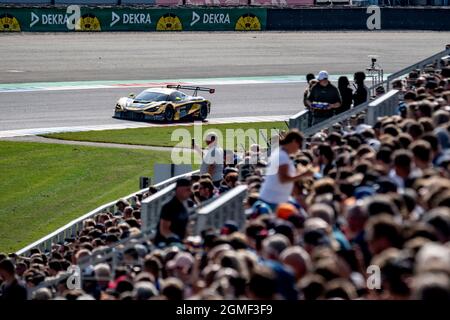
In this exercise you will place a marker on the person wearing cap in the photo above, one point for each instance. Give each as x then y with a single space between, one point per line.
323 94
212 161
174 216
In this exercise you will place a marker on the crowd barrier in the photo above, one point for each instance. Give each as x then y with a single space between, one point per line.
72 228
198 17
385 105
229 206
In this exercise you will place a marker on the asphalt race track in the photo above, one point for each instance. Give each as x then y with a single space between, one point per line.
46 57
27 110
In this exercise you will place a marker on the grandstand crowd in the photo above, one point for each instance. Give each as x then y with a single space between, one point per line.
354 212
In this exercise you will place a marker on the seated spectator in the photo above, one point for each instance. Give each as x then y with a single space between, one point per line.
205 190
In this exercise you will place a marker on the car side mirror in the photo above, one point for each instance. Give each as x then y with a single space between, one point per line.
131 95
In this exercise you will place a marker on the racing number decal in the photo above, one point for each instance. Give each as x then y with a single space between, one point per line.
248 22
169 22
9 23
89 22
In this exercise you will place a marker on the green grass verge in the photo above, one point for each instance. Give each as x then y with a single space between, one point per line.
45 186
168 137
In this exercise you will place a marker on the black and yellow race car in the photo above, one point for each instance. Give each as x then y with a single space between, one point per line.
164 104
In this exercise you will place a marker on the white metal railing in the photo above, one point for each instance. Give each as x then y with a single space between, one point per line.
213 214
385 105
434 59
72 228
151 206
229 206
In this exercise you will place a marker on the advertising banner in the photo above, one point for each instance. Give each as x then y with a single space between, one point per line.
75 18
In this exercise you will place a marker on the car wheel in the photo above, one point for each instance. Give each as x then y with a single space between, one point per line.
169 113
203 114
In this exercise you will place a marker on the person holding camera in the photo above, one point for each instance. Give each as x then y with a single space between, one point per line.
324 98
212 160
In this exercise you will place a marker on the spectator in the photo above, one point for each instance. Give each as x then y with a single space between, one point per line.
384 189
282 173
174 215
325 158
213 160
361 93
230 181
272 249
298 259
346 93
262 285
324 97
402 168
121 205
311 81
11 288
205 190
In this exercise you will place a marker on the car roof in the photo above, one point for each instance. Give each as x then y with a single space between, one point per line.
160 90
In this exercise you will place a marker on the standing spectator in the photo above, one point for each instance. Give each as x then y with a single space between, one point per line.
281 175
212 162
174 215
361 93
346 93
11 289
324 97
310 81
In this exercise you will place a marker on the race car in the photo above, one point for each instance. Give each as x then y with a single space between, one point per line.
164 104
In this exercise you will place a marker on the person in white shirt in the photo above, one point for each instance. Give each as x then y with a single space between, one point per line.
281 172
213 160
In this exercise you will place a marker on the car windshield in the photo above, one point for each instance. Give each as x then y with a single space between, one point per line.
151 96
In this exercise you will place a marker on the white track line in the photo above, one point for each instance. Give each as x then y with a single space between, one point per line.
130 125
